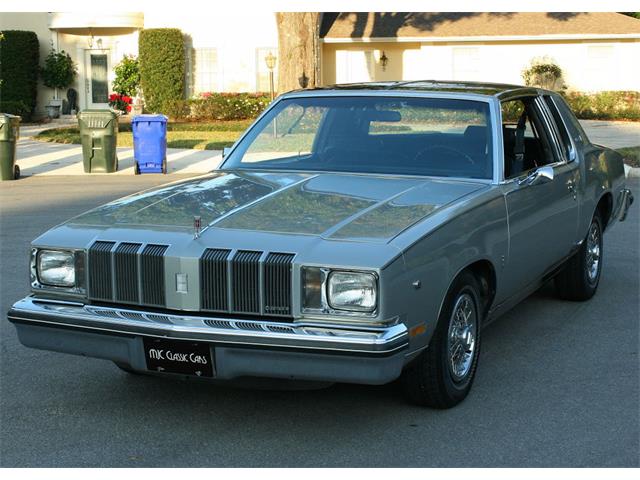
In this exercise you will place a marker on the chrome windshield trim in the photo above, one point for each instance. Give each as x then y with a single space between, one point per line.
256 333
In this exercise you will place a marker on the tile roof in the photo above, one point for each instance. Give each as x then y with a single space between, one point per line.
460 24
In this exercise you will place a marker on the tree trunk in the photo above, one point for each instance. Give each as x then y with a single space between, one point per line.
298 50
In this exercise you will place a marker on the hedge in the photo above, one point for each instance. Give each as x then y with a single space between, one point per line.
611 105
19 57
161 62
218 106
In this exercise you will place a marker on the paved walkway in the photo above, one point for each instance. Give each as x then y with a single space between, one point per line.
43 158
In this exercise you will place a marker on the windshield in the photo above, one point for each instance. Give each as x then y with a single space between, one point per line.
407 136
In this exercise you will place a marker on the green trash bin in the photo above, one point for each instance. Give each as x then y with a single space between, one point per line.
9 133
99 136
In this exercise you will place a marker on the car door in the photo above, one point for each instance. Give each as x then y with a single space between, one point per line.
541 202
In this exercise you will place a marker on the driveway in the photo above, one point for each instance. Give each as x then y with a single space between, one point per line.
557 385
612 134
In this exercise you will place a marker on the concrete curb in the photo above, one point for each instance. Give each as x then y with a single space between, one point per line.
631 172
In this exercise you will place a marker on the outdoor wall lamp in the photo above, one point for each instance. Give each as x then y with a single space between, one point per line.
270 60
303 80
383 61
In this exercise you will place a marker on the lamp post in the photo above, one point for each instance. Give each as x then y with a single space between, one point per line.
270 60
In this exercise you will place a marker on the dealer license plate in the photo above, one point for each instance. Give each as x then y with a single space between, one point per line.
175 356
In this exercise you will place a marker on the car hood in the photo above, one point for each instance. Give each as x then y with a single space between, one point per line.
335 206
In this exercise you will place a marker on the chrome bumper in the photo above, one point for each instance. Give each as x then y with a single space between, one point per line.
215 330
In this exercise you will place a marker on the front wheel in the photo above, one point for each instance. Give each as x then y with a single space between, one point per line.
579 278
442 375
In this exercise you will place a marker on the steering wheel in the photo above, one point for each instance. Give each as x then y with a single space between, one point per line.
447 150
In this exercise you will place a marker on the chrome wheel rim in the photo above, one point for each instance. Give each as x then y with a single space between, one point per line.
593 252
461 344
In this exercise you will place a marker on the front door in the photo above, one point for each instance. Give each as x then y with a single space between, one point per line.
97 78
542 216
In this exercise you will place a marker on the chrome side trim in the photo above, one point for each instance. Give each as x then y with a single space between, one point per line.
256 333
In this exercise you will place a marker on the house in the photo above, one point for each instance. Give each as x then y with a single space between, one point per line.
596 51
218 57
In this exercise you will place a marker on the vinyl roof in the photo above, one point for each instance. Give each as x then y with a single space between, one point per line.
479 88
355 25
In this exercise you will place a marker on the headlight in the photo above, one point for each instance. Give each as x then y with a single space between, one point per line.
56 268
354 291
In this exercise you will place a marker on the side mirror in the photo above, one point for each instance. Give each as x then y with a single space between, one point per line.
226 151
572 154
540 175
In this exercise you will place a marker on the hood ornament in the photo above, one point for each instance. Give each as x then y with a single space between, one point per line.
197 227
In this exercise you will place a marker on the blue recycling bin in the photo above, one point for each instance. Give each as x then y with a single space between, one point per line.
150 143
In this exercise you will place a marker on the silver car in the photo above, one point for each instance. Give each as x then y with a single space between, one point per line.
358 233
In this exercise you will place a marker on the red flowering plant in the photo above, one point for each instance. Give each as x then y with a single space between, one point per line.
120 102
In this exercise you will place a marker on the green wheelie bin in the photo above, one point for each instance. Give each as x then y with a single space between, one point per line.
9 133
99 136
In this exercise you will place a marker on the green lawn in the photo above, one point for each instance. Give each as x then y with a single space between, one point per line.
631 155
198 136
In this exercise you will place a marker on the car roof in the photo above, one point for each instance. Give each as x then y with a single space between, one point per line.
478 88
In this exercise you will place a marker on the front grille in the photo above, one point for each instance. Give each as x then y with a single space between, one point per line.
245 291
138 276
100 275
152 277
126 268
242 283
213 279
277 284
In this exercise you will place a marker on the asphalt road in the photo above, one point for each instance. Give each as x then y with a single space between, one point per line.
558 383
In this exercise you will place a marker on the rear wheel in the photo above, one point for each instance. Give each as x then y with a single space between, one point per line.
579 278
442 375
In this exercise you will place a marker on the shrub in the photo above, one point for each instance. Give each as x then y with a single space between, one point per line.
161 63
228 106
543 73
177 109
59 70
19 57
127 76
608 105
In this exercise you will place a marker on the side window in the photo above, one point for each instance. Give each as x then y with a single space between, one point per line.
564 139
573 125
526 146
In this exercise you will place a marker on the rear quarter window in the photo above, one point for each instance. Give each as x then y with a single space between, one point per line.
572 123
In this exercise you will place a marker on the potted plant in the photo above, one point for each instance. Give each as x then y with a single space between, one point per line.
59 72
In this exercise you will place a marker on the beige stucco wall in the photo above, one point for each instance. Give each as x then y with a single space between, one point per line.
235 36
588 65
